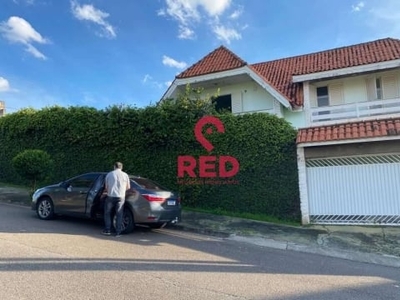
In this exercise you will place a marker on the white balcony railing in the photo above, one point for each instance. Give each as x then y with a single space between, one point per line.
360 110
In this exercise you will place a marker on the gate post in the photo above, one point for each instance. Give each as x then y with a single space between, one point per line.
304 206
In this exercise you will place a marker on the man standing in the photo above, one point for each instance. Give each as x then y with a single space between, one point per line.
116 183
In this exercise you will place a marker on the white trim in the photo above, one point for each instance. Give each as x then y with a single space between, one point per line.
297 109
349 141
277 108
347 71
353 120
306 102
239 71
303 188
170 90
278 96
270 111
211 76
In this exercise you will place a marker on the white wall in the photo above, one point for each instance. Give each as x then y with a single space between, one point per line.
354 88
297 119
253 98
249 95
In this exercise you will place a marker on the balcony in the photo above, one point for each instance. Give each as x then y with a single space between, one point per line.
355 111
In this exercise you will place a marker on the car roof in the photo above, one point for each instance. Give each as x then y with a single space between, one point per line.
103 173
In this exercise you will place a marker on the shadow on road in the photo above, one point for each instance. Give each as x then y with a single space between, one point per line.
240 258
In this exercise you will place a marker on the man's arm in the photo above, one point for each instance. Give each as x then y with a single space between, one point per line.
128 182
106 186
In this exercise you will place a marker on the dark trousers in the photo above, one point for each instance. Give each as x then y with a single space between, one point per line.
109 204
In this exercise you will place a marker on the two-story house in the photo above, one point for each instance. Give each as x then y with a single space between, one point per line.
345 103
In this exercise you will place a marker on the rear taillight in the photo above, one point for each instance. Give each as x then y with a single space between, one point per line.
153 198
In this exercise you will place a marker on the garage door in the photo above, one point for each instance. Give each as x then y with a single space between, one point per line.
354 190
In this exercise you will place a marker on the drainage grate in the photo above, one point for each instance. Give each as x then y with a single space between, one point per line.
356 219
353 160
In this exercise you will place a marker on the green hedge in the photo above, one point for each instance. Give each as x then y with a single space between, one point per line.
149 140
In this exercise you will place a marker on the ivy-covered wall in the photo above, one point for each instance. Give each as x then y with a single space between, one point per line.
149 140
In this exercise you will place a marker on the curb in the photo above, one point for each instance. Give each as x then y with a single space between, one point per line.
363 257
206 231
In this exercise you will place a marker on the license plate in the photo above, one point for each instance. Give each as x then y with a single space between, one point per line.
171 202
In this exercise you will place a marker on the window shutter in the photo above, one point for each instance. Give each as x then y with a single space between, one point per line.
371 89
236 104
390 86
336 94
313 95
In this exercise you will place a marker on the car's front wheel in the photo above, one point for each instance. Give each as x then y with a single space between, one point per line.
128 223
45 209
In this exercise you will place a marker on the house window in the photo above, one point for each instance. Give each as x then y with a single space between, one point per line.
223 103
323 100
383 87
322 96
378 86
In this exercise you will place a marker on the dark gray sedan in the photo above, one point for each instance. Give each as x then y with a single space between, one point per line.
147 203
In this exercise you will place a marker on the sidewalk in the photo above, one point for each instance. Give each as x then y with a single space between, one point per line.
379 245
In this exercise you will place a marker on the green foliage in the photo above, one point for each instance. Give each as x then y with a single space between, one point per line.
245 215
149 140
33 165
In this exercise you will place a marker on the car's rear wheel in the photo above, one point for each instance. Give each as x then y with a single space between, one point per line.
45 209
128 223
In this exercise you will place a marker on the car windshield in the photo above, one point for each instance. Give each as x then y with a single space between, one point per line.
148 184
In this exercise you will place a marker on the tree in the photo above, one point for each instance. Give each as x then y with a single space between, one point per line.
33 165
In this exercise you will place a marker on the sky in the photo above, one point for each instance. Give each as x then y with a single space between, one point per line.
100 53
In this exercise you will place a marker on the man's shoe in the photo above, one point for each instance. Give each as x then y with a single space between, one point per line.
106 232
117 235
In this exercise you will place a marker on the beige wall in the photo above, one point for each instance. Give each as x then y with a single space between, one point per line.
354 89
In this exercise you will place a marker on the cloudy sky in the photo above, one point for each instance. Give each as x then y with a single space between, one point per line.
101 52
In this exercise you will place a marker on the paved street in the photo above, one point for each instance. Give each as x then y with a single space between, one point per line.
69 259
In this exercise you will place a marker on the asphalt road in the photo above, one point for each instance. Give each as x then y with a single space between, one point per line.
69 259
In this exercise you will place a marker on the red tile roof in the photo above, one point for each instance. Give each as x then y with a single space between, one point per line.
355 130
278 73
221 59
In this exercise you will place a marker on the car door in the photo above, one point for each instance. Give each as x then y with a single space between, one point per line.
93 194
73 200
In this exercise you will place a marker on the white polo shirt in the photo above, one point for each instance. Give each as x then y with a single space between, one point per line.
117 182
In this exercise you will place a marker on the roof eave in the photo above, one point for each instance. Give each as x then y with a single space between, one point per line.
278 96
347 71
171 89
348 141
199 78
241 70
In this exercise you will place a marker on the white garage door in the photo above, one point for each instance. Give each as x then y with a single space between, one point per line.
354 190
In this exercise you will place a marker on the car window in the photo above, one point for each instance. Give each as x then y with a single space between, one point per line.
148 184
84 181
